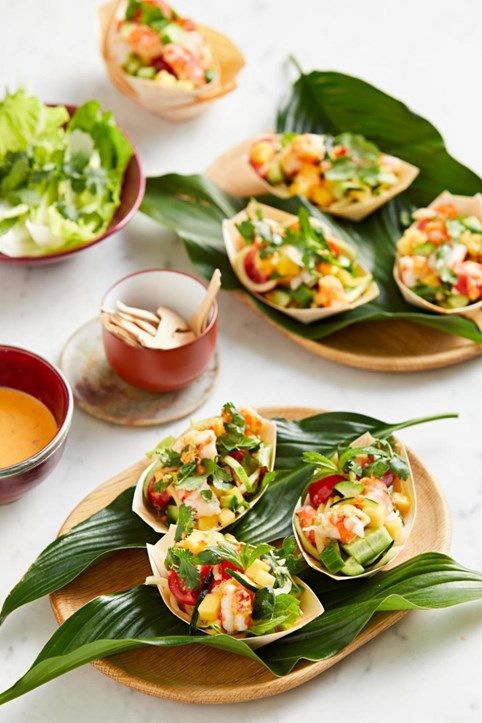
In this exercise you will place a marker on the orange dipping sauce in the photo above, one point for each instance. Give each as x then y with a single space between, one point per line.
26 426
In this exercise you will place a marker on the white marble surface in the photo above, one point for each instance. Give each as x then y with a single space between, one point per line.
427 667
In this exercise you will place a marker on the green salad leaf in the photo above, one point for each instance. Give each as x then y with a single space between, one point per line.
124 621
60 178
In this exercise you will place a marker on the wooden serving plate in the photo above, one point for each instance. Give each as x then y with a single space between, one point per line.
384 346
195 674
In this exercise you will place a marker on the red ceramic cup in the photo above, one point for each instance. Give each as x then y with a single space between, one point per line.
132 193
28 372
160 370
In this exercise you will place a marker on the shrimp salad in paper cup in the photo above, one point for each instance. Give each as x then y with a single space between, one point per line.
357 512
216 471
295 264
346 174
220 585
439 257
156 43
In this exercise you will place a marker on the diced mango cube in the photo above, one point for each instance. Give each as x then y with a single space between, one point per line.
401 502
195 542
321 196
209 608
263 578
256 567
396 530
262 152
207 523
226 517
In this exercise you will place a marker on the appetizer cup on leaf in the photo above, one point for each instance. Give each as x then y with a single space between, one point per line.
438 266
294 264
346 175
216 470
163 61
219 585
356 514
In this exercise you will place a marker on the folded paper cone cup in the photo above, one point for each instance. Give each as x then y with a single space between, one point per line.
466 206
139 506
235 248
309 551
169 103
233 172
311 607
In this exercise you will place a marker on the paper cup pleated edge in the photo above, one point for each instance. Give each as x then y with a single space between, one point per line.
139 506
310 605
235 248
393 553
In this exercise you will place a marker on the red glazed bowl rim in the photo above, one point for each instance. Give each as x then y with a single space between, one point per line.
43 454
177 349
112 227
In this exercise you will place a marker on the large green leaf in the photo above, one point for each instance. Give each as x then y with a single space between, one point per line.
116 527
334 102
194 207
123 621
113 528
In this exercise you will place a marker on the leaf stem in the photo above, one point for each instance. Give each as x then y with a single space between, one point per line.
294 61
420 420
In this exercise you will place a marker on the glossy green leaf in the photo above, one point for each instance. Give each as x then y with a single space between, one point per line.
116 527
123 621
113 528
194 207
330 102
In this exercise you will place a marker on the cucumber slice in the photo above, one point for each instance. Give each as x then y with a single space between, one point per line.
172 512
349 489
331 557
352 567
279 297
274 174
146 72
367 549
343 499
456 301
245 582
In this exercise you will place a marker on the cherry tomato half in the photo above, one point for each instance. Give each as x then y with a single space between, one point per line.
321 490
183 594
158 499
252 270
226 565
238 454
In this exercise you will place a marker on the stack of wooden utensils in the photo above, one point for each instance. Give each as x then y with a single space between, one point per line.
164 329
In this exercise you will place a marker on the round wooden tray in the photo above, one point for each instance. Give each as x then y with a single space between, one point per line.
201 675
386 346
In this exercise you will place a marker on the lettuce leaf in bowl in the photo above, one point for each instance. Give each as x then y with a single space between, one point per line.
60 179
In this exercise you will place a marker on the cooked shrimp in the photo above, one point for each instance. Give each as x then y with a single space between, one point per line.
143 41
184 64
236 606
195 445
330 291
345 523
376 490
201 506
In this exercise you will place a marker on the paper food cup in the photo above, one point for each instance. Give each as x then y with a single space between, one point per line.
236 250
139 506
311 607
466 206
170 103
307 548
233 172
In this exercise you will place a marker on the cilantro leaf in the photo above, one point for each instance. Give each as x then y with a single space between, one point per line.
181 560
185 522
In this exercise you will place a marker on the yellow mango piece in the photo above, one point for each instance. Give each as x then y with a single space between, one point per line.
263 578
226 517
287 267
396 530
207 523
262 153
256 567
401 502
209 608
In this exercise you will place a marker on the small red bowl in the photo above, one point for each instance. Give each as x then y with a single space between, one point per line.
132 193
28 372
160 370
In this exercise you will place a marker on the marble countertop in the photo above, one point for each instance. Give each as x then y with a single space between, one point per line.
428 666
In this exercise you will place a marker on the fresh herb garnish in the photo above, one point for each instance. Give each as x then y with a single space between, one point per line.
181 560
185 522
202 594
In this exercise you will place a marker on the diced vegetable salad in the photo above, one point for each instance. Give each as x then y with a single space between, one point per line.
308 267
440 256
213 471
164 47
342 170
353 514
226 586
60 178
